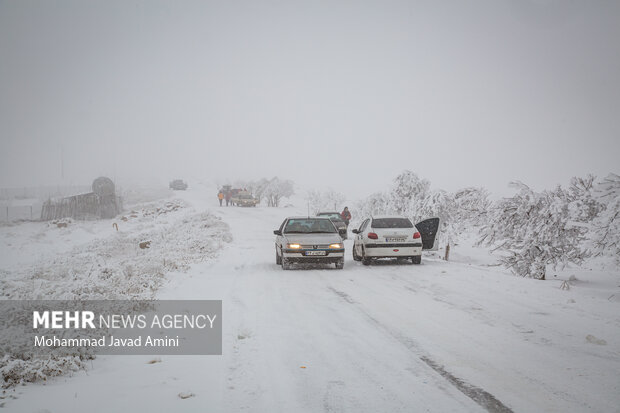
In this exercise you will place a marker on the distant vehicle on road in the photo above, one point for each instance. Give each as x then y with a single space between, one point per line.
394 237
178 185
337 220
244 198
307 240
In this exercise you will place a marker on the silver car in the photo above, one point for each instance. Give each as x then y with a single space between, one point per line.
308 240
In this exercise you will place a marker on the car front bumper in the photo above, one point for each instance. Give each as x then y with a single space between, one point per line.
296 255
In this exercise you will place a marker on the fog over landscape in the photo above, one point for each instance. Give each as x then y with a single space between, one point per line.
480 93
378 206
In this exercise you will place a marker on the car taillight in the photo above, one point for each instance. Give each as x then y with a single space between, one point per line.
416 235
372 235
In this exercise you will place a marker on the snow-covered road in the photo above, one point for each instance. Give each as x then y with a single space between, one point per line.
437 337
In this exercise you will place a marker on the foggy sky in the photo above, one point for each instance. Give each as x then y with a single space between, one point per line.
344 94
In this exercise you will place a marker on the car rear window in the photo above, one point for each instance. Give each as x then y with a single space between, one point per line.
391 223
308 226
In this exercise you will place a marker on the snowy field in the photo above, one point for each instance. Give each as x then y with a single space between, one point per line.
458 336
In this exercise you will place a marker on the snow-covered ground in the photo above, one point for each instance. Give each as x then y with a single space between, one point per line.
442 336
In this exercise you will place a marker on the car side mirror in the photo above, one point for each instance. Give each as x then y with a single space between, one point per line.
355 231
342 231
277 232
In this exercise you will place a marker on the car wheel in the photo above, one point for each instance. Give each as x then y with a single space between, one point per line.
365 260
286 265
340 264
278 258
416 259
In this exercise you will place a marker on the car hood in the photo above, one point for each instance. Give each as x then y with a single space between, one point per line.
312 238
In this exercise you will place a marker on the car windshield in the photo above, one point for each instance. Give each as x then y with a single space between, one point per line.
334 216
309 226
391 223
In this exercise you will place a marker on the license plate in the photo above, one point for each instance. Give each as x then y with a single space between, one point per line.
315 252
394 239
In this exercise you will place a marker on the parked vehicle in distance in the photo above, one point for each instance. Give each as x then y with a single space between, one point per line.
244 198
308 240
178 185
337 220
394 237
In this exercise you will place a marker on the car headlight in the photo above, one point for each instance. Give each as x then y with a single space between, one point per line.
294 246
335 246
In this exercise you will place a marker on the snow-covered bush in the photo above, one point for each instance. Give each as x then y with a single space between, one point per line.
409 194
112 267
606 226
536 229
276 189
471 206
328 200
413 197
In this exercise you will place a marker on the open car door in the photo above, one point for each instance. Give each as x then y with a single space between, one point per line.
429 229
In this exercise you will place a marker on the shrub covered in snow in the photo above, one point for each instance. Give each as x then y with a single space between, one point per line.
413 197
328 200
113 267
535 229
606 225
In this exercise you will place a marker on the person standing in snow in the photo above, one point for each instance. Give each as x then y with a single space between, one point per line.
220 196
346 216
228 197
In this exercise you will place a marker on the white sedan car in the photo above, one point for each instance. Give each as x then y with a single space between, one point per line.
308 240
394 237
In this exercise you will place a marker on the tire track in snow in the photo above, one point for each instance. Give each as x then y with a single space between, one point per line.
483 398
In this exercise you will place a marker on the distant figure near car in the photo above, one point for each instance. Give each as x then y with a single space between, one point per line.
220 196
346 216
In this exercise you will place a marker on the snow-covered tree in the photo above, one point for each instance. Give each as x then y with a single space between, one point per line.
408 194
259 188
471 205
533 230
606 225
277 189
375 204
328 200
413 197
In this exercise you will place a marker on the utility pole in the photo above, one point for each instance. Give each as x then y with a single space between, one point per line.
62 163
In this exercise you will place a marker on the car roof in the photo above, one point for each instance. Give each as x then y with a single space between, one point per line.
307 217
388 216
328 212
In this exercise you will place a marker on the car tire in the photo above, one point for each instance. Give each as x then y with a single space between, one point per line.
355 256
340 264
365 260
286 265
416 259
278 258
